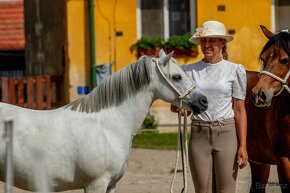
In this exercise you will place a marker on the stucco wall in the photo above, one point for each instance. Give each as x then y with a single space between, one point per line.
110 19
245 17
77 71
116 31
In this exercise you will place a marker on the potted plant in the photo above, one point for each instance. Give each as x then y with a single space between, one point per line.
148 46
151 46
181 46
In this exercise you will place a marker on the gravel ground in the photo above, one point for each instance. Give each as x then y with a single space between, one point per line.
150 171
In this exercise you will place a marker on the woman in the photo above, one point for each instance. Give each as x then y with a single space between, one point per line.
217 144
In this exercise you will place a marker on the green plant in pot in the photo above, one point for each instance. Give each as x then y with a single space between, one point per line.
181 45
148 46
151 46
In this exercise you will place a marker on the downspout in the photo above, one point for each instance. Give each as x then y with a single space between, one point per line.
92 44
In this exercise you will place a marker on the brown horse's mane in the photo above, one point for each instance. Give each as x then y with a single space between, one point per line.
282 40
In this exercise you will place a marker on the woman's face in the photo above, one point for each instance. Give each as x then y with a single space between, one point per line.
211 47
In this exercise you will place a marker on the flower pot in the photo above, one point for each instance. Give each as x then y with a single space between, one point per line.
183 52
142 52
192 53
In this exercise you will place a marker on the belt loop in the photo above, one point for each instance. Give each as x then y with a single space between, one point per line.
221 124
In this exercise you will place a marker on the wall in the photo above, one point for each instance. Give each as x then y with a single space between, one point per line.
245 17
77 59
115 32
111 18
45 35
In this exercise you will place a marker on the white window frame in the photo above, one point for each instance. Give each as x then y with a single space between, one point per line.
273 15
192 10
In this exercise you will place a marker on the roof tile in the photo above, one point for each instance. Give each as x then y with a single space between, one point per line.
12 25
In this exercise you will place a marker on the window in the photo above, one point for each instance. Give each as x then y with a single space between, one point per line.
165 18
282 13
152 18
12 63
179 18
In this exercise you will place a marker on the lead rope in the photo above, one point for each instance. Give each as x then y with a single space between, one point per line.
184 156
180 142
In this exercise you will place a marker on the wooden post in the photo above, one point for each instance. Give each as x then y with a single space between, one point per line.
48 93
20 92
12 93
30 93
39 92
4 87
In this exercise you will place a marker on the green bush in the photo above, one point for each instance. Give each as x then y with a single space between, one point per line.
147 43
149 122
180 42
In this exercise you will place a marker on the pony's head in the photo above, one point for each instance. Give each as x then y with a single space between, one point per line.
275 70
173 85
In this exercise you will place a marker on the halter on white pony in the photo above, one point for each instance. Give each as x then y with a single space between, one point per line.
181 94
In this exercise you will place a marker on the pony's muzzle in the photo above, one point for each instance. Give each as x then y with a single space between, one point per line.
203 102
200 105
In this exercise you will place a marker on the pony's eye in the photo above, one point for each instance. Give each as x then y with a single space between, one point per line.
284 61
176 77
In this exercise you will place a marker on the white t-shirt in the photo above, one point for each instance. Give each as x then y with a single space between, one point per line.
219 82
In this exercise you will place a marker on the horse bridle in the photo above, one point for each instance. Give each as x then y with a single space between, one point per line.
181 95
283 81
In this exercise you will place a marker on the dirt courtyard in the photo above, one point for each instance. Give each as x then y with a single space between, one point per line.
150 171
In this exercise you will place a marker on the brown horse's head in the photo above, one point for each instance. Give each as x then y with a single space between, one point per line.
275 71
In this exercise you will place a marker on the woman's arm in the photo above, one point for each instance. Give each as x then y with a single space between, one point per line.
241 126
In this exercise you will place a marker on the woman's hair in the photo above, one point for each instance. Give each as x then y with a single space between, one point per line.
224 52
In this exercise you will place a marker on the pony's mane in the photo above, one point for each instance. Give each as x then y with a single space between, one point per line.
116 88
282 40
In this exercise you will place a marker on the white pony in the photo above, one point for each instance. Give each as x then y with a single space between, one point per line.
86 144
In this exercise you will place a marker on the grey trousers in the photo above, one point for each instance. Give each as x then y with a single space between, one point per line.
212 156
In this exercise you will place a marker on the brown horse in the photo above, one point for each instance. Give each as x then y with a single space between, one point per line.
268 139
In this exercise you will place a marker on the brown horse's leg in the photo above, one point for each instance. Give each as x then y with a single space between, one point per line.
260 174
283 167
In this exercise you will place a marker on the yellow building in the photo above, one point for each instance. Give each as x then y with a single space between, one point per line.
120 23
115 32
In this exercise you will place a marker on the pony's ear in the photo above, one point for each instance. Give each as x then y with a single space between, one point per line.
267 32
164 59
161 53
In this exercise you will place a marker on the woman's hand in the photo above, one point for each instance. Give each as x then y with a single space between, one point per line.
175 109
242 157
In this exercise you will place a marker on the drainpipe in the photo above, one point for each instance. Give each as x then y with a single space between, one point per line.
92 44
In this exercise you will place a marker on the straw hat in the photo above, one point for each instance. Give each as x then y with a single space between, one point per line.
210 29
